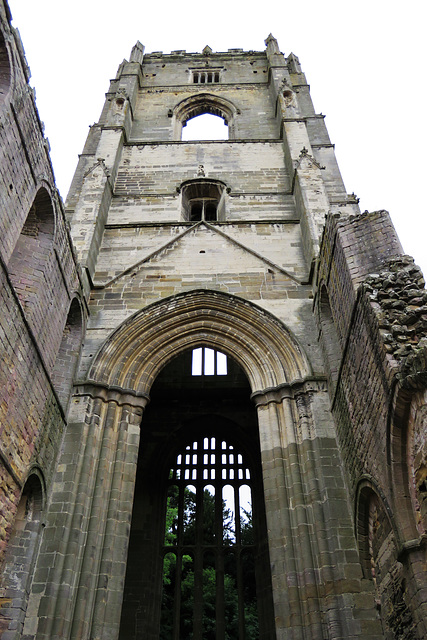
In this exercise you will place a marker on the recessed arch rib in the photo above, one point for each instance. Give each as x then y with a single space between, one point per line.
265 349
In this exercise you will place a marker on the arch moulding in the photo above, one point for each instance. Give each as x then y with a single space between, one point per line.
134 354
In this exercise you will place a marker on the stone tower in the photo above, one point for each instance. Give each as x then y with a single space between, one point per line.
224 436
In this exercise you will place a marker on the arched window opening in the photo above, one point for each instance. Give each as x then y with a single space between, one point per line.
207 113
28 261
68 355
20 556
203 199
4 69
205 127
198 544
209 532
374 532
379 557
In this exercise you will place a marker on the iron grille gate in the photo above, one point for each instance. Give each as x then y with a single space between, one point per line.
209 555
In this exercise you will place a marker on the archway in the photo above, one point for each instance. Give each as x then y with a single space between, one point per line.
378 549
29 261
260 344
110 405
198 477
17 572
119 448
68 355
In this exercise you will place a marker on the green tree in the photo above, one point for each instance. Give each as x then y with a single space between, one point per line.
209 571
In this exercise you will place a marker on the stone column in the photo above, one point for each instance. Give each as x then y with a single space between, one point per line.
89 518
316 574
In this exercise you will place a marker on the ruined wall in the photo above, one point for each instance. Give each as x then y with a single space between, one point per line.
374 302
39 280
157 283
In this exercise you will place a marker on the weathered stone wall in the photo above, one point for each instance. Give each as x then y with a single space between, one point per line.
38 281
127 246
375 299
172 263
244 82
254 173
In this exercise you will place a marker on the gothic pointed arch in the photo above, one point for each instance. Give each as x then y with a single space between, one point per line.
68 354
128 368
18 568
263 347
374 527
202 103
30 265
379 544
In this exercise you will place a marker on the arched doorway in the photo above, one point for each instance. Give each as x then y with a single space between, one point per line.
198 544
123 453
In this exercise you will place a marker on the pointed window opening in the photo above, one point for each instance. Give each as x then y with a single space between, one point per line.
18 568
205 127
29 261
209 117
68 355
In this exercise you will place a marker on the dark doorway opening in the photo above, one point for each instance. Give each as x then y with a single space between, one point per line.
198 563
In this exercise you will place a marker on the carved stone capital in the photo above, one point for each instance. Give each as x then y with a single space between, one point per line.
289 390
112 393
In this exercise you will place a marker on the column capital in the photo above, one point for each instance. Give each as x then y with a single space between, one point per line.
289 390
111 393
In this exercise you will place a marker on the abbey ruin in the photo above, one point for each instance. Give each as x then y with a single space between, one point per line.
213 380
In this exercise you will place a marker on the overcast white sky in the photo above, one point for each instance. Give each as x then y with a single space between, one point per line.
365 62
